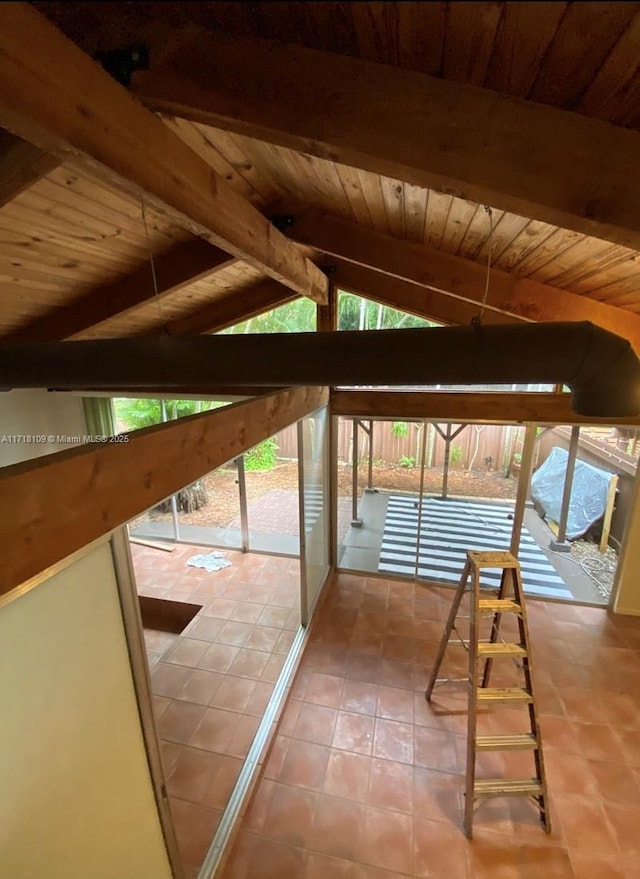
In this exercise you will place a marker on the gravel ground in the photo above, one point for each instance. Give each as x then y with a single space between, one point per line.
601 567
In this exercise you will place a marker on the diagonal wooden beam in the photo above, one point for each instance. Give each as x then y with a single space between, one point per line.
55 96
21 165
55 505
412 298
226 312
534 160
184 264
455 276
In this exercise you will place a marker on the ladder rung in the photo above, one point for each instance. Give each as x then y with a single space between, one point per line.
503 694
498 605
516 742
495 559
495 649
508 787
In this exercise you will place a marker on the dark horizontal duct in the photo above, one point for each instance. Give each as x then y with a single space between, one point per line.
601 368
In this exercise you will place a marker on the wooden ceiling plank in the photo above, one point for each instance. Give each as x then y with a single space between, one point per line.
438 207
527 242
113 250
420 35
478 233
17 238
181 266
54 95
53 506
576 260
393 198
572 61
613 92
457 277
353 191
524 35
21 165
240 306
460 215
541 261
452 137
481 408
469 39
505 228
415 212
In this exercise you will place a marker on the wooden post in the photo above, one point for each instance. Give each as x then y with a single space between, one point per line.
524 479
448 438
242 495
608 512
356 522
327 315
423 455
561 544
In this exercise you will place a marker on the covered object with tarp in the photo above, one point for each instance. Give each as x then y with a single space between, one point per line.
588 492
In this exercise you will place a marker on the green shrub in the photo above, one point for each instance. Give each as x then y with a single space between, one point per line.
400 428
455 454
262 456
407 461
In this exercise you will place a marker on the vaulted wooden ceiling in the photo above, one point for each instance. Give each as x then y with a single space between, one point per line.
401 227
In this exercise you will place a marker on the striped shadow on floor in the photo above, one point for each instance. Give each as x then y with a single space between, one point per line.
448 529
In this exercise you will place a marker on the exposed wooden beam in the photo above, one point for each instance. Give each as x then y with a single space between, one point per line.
55 96
233 309
531 159
52 506
21 165
482 408
412 298
459 277
327 315
184 264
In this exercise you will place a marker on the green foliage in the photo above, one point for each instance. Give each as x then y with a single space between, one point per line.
400 428
135 413
262 456
298 316
455 454
407 461
354 310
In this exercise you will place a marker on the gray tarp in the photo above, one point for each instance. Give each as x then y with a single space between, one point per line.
588 493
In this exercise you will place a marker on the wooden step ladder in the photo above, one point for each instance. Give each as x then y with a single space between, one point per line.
509 600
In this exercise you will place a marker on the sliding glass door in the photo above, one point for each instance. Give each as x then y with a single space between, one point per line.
313 445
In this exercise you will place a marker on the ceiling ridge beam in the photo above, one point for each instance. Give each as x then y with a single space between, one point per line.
55 96
530 159
182 265
428 269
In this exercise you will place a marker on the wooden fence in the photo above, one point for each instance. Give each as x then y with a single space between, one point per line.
489 447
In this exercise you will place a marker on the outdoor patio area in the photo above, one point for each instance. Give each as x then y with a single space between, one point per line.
385 542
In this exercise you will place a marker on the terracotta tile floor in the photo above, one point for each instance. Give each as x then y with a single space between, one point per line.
212 682
365 779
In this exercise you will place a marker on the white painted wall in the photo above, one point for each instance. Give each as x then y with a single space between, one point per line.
37 413
75 795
